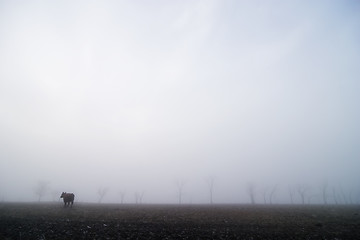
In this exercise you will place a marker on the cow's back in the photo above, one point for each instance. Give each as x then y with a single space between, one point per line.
69 197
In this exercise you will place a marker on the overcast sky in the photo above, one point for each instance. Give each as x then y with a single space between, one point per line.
138 95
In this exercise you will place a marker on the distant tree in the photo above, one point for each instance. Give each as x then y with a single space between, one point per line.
41 189
251 192
180 187
343 195
210 182
340 196
335 196
139 197
357 197
136 195
292 194
351 197
272 193
302 189
102 192
324 189
264 194
268 194
122 196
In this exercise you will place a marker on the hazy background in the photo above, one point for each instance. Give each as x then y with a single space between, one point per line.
139 96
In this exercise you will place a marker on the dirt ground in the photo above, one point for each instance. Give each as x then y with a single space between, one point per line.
112 221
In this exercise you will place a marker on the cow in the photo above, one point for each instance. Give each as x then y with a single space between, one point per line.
68 198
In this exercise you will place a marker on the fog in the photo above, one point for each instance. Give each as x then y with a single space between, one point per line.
164 99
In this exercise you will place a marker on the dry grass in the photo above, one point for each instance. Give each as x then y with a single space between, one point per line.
112 221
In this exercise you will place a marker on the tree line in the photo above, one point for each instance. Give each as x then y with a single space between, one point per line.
257 194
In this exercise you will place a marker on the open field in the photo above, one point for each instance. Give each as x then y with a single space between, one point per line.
115 221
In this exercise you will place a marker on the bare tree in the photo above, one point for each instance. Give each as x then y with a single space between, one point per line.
272 193
263 193
335 196
102 192
139 197
292 193
343 195
122 196
210 182
351 197
180 186
251 192
136 194
302 189
340 197
324 189
41 189
357 197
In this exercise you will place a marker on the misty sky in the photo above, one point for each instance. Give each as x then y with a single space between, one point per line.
138 95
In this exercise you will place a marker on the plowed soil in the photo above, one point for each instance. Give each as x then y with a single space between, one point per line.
112 221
